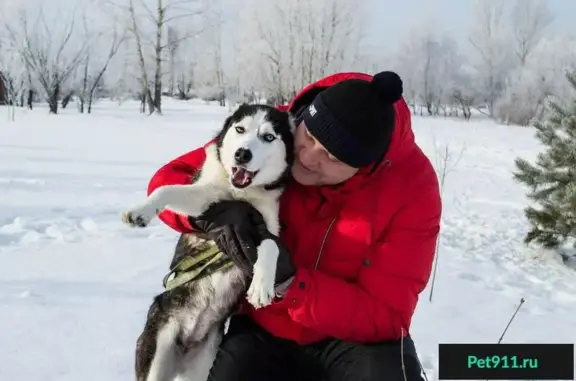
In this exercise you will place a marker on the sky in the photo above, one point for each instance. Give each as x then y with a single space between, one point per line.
391 19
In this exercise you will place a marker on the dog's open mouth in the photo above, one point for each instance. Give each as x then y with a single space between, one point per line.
241 177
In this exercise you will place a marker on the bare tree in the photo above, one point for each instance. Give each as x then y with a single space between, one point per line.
464 101
529 19
105 45
431 87
430 66
85 78
274 55
12 82
12 79
146 94
51 56
245 71
445 163
7 96
340 34
157 17
450 68
541 77
4 83
300 41
217 50
173 46
406 62
185 75
489 39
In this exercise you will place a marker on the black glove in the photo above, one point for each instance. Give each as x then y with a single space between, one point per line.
231 225
285 267
238 228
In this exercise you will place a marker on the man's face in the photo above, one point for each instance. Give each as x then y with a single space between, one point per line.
314 165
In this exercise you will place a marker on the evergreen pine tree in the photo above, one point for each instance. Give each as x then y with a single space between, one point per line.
552 179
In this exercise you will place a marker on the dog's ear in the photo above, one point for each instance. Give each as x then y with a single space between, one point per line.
227 122
239 106
225 127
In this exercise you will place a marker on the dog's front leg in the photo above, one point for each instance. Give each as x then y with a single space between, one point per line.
189 200
261 291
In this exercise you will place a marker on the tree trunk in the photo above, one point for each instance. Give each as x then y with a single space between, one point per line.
90 103
30 99
157 100
66 99
84 84
53 100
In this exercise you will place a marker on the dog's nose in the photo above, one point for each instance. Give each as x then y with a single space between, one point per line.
243 156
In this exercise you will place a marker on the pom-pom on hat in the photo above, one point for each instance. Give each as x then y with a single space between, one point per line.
354 119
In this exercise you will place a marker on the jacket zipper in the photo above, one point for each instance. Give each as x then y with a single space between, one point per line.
387 163
323 243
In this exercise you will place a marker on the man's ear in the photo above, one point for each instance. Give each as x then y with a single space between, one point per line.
294 122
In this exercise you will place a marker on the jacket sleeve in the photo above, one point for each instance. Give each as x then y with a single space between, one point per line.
380 305
181 170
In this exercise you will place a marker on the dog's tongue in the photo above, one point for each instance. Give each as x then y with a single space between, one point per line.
241 176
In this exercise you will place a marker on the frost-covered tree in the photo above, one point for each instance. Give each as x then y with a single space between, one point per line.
529 19
12 77
489 39
49 47
150 21
289 44
431 67
552 178
541 76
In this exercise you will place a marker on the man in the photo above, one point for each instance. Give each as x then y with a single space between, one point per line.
360 224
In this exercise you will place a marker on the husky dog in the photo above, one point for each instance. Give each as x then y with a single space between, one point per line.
249 160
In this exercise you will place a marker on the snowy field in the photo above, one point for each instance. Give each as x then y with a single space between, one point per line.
75 283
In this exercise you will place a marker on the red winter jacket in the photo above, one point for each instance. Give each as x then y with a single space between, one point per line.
364 250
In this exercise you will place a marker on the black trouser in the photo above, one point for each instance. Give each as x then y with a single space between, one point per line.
250 353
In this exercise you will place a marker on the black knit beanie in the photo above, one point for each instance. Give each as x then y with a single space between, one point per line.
354 119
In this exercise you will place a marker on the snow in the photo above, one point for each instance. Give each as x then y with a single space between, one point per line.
75 284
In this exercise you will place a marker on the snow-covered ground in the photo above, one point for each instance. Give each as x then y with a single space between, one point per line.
75 283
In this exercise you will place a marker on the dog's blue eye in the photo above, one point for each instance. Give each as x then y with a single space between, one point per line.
240 129
268 137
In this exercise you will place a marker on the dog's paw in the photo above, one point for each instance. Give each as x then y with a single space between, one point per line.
138 217
261 291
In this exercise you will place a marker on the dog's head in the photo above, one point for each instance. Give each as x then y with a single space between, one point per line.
256 146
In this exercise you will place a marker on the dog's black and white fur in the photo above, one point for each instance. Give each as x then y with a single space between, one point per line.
250 160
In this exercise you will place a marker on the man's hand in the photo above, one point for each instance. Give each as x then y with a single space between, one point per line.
232 225
237 228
